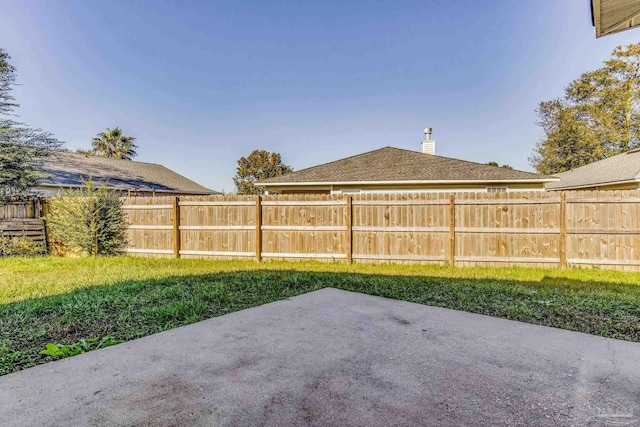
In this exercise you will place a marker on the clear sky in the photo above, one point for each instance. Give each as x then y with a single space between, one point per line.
202 83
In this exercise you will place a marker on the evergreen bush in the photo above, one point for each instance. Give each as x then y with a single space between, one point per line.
87 221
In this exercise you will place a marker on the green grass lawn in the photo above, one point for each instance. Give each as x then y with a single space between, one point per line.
61 300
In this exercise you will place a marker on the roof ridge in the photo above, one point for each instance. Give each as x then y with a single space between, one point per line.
108 159
401 164
344 158
475 163
419 152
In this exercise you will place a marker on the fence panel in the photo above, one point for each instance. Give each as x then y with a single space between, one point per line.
22 236
150 230
542 229
217 227
18 210
400 227
498 229
603 228
304 226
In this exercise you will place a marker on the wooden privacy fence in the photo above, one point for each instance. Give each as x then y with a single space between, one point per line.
19 210
20 223
29 230
597 228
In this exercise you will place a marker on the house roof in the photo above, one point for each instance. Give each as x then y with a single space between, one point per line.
68 169
612 16
389 164
621 168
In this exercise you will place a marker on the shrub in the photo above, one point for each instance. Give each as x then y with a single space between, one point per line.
88 221
20 246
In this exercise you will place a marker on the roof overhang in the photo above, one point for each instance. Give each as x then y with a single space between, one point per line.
596 184
412 182
613 16
148 190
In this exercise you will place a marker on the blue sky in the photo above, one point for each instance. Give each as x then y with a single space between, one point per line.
202 83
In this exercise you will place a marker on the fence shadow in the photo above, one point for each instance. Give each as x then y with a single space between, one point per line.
136 308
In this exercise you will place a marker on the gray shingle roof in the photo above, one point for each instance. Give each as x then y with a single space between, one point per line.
68 169
621 168
390 164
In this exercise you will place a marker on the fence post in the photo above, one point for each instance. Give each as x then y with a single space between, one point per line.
452 229
258 228
562 244
349 222
176 226
36 208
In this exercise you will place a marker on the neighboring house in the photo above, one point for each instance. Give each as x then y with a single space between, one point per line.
620 172
68 170
395 170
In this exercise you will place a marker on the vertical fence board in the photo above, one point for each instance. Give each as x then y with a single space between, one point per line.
176 227
452 230
563 230
258 225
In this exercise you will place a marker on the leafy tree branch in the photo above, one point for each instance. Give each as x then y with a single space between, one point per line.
259 165
22 149
598 116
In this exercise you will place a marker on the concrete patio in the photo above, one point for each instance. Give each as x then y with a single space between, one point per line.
337 358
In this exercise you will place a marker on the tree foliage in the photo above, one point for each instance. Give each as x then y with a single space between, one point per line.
498 166
87 221
22 149
113 143
259 165
598 117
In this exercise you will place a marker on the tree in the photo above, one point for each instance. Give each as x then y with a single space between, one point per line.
259 165
598 116
497 165
87 221
112 143
22 149
569 143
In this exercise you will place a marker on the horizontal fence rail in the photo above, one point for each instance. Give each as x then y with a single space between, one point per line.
21 229
549 229
27 231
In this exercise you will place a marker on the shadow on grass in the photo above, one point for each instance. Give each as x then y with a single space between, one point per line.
136 308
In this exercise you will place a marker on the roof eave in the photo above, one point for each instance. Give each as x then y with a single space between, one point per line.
595 184
63 186
450 181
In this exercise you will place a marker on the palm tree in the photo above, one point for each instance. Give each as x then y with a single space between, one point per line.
112 143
